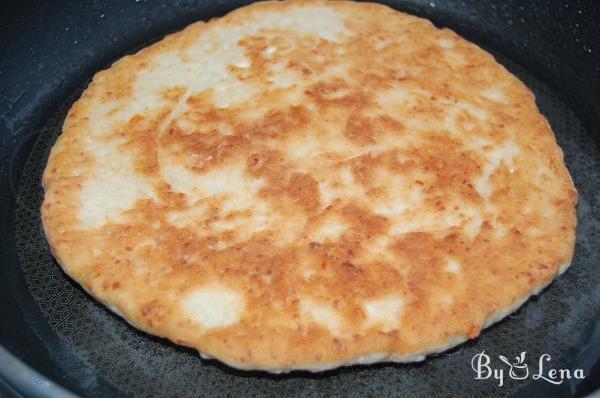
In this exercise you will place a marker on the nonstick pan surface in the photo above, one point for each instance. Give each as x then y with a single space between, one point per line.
49 53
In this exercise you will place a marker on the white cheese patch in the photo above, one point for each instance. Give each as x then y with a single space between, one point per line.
446 299
494 94
321 314
233 92
323 148
398 195
329 229
505 154
163 72
472 227
377 250
97 209
330 191
308 20
270 50
214 306
188 217
453 266
445 43
424 222
390 209
244 64
384 312
282 76
473 110
114 188
343 187
455 59
306 267
229 180
346 176
399 97
380 243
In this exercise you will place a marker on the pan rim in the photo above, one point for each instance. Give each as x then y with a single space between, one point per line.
26 380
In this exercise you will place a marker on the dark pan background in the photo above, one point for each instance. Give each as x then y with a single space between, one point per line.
48 52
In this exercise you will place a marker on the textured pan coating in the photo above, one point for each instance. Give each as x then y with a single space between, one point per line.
303 185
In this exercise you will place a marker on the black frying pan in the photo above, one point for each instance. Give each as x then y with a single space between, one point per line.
50 327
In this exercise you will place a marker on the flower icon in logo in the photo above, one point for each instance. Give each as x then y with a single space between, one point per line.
518 370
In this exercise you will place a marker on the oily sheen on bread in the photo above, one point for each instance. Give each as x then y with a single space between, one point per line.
307 184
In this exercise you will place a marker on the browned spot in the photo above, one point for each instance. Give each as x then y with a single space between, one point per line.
363 221
363 168
304 190
359 129
391 124
202 151
172 94
338 93
268 163
276 123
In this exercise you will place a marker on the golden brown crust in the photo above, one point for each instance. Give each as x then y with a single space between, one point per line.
398 163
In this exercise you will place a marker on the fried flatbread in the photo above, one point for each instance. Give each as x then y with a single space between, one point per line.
305 185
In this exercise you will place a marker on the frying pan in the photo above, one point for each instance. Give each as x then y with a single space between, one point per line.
56 341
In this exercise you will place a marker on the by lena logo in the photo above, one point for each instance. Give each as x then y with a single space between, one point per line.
519 369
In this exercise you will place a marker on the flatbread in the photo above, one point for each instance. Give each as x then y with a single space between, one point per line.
305 185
